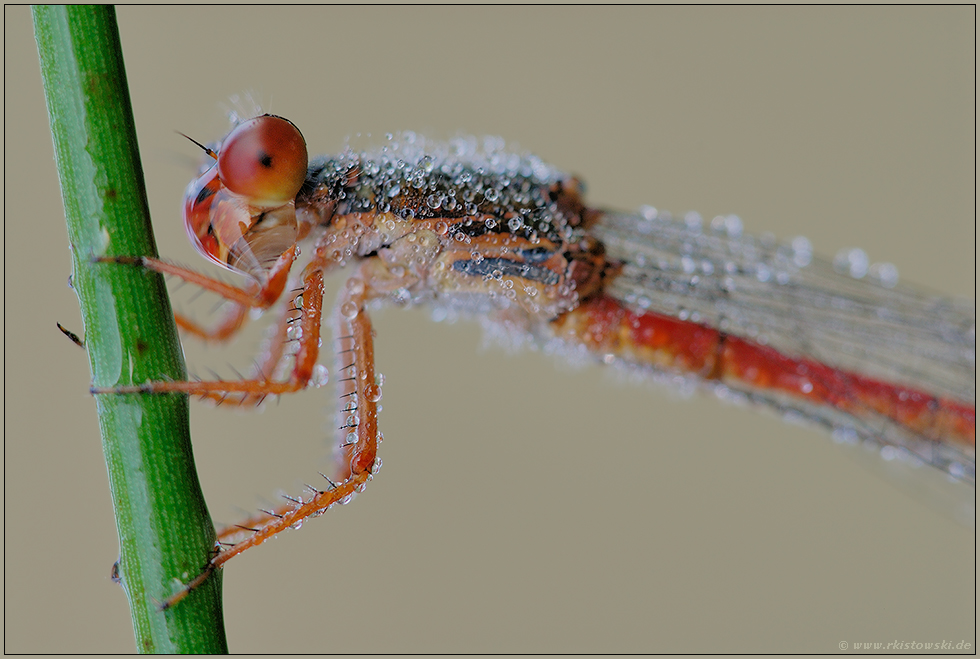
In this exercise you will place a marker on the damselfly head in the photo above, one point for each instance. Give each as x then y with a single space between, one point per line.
240 213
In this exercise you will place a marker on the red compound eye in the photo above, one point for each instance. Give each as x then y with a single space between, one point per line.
264 160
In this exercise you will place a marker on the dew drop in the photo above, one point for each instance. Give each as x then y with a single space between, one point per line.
372 392
320 376
842 435
692 220
802 251
885 273
355 286
348 310
889 453
852 261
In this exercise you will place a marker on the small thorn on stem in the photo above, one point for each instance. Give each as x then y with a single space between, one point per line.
71 335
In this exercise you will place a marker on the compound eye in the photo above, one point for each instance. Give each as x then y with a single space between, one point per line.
264 160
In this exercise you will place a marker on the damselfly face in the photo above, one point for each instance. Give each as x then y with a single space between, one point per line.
240 213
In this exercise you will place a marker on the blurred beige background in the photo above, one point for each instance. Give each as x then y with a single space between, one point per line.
522 506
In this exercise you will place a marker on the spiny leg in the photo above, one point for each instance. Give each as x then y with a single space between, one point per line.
272 359
260 386
359 394
273 354
260 297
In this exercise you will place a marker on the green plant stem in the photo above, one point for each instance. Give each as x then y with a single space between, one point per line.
165 532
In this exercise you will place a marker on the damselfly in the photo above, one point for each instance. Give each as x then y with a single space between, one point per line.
470 227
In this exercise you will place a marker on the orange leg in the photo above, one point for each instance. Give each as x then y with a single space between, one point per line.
359 394
242 299
309 323
274 347
228 326
286 330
